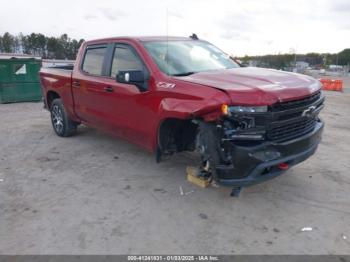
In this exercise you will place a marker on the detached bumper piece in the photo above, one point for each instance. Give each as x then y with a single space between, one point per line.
290 132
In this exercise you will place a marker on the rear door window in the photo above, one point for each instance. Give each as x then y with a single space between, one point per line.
93 60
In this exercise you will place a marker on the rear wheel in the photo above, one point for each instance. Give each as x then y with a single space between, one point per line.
61 123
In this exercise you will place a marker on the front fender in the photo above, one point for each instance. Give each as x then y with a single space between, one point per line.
209 109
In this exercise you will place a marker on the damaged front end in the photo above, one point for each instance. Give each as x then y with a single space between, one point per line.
253 144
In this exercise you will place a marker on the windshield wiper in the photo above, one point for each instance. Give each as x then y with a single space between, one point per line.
184 74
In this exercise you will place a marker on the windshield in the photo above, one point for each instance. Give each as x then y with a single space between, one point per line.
181 58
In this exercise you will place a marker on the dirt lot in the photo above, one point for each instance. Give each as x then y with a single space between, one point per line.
94 194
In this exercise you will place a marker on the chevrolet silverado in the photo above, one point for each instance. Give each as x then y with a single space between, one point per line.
171 94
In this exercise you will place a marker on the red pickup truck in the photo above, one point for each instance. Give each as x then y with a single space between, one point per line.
171 94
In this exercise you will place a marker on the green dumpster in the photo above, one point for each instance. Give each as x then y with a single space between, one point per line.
19 79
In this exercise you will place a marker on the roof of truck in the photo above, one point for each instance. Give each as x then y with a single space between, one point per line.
162 38
142 38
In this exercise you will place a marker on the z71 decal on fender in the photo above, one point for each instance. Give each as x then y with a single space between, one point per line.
165 85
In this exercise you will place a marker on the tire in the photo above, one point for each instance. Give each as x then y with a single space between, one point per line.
61 123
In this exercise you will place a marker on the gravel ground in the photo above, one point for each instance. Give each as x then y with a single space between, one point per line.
94 194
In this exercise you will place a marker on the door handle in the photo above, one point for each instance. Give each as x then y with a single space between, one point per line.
109 89
76 83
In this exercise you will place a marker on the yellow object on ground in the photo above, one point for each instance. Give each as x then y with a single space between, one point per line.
192 176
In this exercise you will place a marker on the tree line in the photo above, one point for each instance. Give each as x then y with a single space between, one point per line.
282 61
62 47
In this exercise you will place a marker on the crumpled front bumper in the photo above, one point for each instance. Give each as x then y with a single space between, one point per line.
255 164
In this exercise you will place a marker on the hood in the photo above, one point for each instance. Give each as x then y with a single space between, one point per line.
257 86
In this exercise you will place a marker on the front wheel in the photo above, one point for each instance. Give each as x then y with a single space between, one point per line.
61 123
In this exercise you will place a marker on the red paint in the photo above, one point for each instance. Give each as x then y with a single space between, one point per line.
283 166
136 115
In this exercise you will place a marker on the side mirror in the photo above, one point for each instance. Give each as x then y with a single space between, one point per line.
130 77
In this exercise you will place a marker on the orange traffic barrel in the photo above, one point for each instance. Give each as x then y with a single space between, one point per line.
332 84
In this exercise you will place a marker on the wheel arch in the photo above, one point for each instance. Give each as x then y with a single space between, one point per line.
176 134
50 96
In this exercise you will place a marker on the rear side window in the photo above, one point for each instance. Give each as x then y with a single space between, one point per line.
93 60
125 59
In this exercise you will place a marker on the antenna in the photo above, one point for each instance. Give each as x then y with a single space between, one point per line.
167 42
194 36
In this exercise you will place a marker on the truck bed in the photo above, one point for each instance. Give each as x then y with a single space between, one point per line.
59 80
60 71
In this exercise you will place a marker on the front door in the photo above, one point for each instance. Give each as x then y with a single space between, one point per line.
126 107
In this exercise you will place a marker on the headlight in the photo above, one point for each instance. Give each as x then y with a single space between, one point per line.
241 122
247 109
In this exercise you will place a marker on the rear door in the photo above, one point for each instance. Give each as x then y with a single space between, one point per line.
88 86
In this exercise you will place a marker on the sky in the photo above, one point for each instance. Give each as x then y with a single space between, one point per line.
245 27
